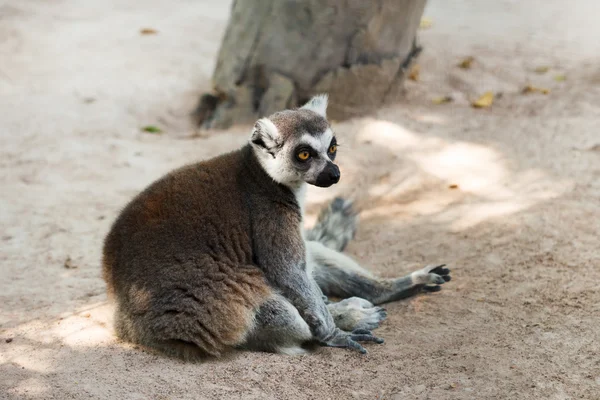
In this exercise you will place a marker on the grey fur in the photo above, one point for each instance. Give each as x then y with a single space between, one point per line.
292 122
279 328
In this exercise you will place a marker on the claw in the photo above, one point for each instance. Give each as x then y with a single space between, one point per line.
366 338
438 269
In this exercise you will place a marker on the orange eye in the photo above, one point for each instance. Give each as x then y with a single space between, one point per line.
332 148
303 155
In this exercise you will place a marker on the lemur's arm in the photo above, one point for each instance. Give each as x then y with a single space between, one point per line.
281 254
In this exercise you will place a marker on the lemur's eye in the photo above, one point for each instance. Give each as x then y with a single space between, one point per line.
332 148
303 155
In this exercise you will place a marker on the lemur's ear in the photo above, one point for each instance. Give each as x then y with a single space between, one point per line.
317 104
265 135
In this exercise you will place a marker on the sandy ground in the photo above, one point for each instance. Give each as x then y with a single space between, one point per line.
521 319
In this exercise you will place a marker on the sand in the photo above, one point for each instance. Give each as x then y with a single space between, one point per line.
508 196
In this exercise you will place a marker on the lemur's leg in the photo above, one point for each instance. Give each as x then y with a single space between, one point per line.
340 276
278 328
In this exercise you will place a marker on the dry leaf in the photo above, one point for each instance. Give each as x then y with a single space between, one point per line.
385 178
453 186
442 100
466 63
426 23
484 101
148 31
413 75
542 69
560 78
69 263
534 89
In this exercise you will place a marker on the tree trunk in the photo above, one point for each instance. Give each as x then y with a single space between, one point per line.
276 54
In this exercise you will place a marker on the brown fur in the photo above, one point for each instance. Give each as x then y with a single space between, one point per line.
179 260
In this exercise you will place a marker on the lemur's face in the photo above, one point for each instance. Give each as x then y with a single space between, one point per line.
296 146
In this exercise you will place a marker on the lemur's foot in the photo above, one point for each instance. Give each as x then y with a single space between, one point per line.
336 225
356 313
432 276
351 340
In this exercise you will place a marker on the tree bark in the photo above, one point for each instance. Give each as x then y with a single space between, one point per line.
276 54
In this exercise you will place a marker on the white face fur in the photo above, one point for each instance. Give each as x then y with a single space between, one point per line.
297 146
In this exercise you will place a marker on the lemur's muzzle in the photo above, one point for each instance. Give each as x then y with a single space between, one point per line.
329 176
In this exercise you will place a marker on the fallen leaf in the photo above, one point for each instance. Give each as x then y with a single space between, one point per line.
152 129
426 23
442 100
466 63
385 178
484 101
69 263
534 89
453 386
453 186
148 31
595 147
542 69
413 75
560 78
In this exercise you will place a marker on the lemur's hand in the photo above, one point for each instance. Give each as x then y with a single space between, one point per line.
350 339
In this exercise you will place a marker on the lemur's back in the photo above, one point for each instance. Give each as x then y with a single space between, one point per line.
183 248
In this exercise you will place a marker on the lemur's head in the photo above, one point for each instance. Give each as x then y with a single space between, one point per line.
296 146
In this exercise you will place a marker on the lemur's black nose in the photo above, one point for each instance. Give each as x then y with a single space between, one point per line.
329 176
334 174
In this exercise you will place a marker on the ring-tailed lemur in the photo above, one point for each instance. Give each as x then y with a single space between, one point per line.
213 256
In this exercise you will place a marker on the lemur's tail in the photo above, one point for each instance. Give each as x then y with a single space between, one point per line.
336 225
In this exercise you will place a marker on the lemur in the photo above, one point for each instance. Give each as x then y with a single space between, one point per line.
213 257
